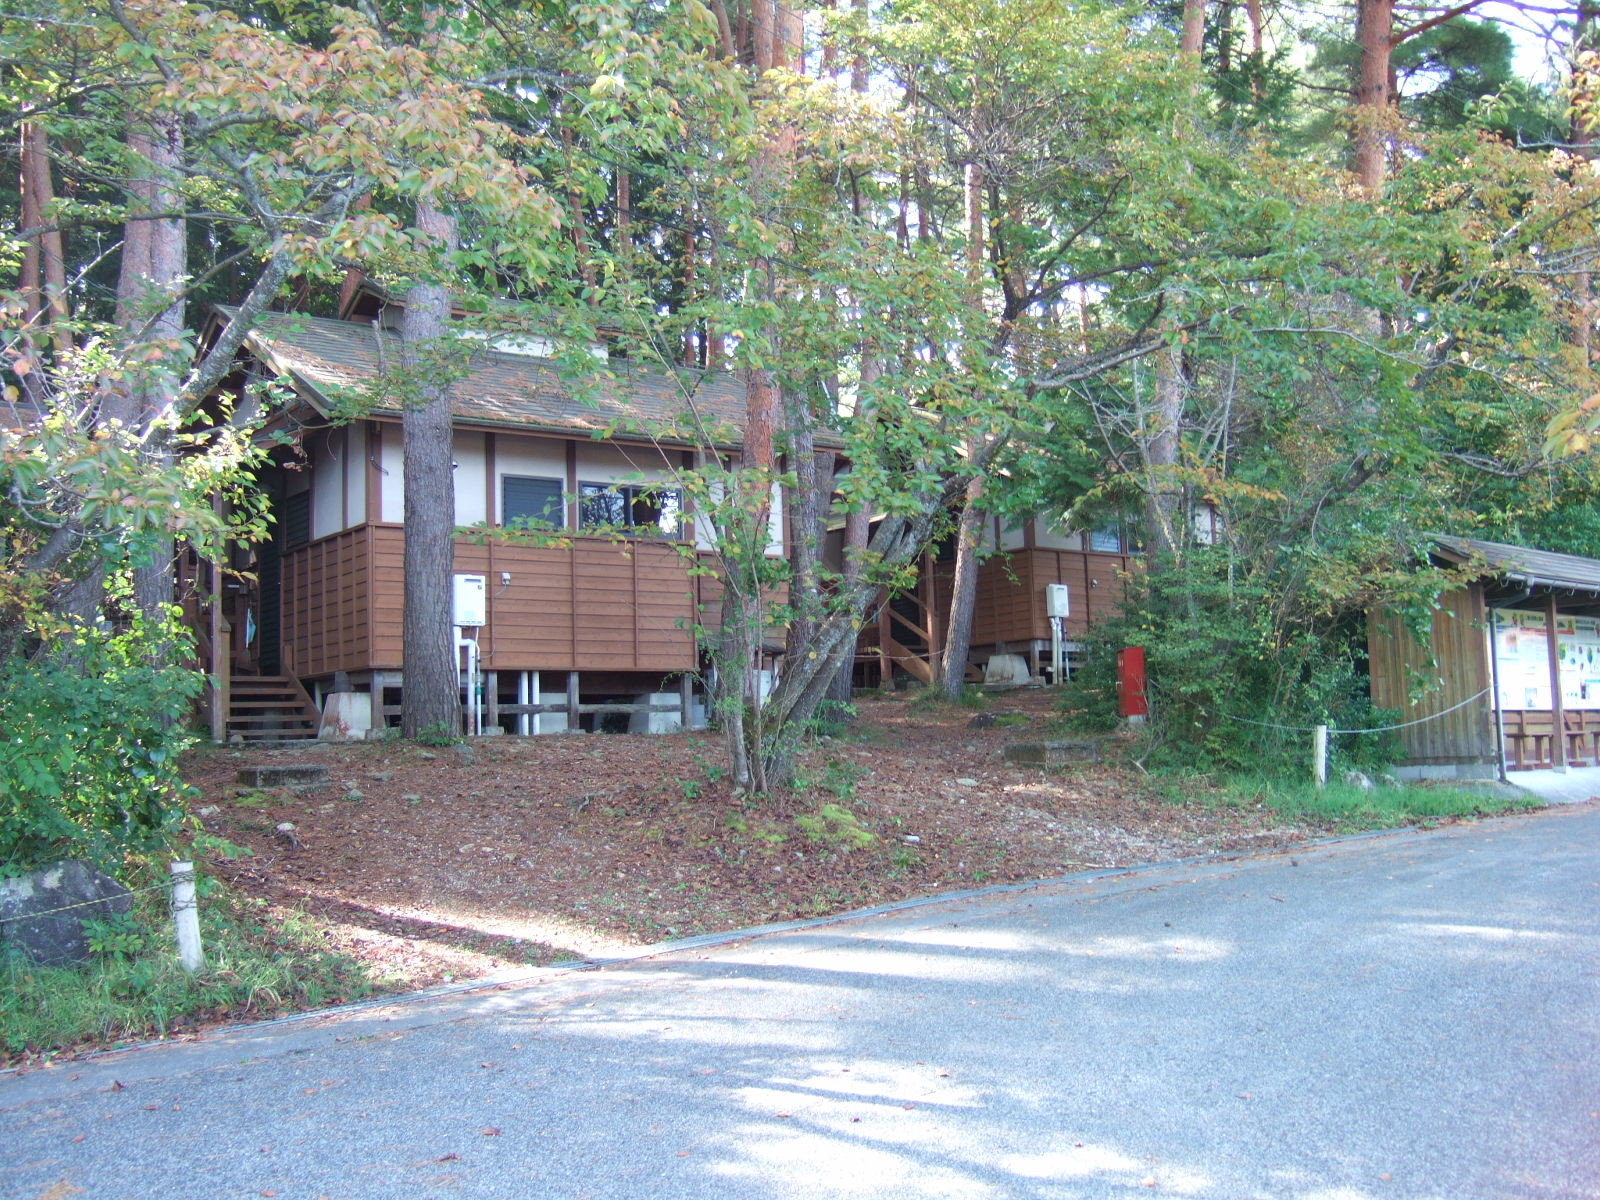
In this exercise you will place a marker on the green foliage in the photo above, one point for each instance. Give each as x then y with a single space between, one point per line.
118 936
835 825
833 718
1346 807
1235 675
90 733
436 736
257 965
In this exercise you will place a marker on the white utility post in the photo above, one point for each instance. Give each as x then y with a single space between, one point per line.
1319 755
186 916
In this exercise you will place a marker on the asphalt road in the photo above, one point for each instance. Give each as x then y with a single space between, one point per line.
1407 1017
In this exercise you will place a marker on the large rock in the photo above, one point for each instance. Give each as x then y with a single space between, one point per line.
42 913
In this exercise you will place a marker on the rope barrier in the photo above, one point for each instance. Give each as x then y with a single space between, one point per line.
1378 729
158 887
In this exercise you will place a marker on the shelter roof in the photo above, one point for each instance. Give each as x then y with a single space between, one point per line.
1533 569
332 362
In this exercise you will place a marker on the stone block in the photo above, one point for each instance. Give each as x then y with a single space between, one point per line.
346 717
1006 669
290 775
1053 754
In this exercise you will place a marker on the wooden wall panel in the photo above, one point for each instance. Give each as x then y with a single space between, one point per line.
327 605
1459 668
1010 603
595 605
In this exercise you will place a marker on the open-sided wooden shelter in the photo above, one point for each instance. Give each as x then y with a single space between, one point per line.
1513 678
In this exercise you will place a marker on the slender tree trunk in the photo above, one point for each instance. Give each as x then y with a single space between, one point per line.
1162 433
431 696
808 510
1163 493
857 531
964 587
858 65
46 283
776 38
963 592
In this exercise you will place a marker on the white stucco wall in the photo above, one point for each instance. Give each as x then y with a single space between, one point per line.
1051 535
602 463
328 457
472 477
1012 537
392 486
355 474
539 458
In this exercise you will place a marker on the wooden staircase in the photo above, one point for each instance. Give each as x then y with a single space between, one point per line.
270 708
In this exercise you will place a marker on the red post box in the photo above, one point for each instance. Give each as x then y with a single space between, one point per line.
1130 682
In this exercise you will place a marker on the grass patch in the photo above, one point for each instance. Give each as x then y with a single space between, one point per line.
1344 807
258 965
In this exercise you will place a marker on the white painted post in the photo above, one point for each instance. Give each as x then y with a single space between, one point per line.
186 916
1319 755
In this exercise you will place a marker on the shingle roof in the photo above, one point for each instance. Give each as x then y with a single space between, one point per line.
326 358
1534 568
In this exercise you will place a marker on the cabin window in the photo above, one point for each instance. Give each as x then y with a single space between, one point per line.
1107 539
644 510
526 500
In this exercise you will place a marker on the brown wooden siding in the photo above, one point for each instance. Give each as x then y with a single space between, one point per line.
595 605
1010 603
1461 670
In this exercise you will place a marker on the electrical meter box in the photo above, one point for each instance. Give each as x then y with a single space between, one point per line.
470 601
1055 600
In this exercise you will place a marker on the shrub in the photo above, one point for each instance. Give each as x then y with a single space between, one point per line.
1233 683
90 733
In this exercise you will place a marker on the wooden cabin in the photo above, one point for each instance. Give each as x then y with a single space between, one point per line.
1498 692
907 636
596 630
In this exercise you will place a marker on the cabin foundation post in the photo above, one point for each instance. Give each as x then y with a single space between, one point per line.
686 700
375 694
572 701
491 701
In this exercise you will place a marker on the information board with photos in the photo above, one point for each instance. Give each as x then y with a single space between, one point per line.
1522 649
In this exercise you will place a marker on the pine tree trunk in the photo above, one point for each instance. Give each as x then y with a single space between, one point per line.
150 303
1374 95
430 698
1194 30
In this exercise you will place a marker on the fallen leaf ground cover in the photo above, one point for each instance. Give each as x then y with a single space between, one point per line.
417 865
442 863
